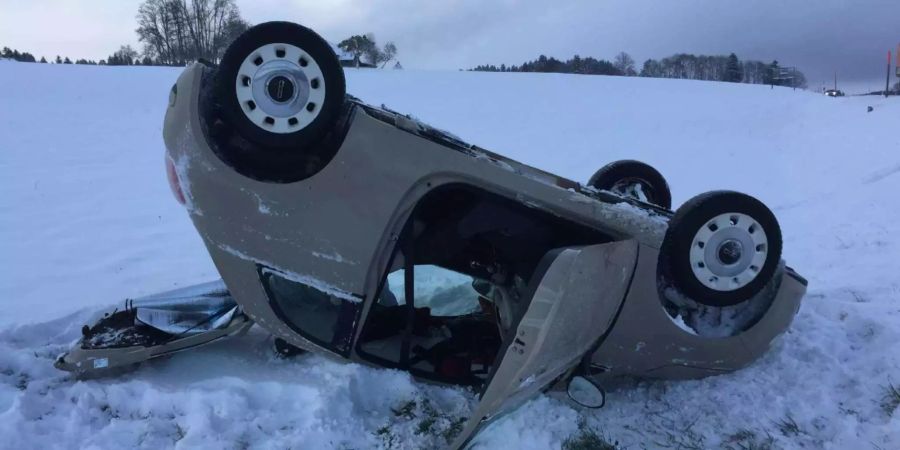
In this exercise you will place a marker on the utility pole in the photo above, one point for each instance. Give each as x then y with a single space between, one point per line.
887 81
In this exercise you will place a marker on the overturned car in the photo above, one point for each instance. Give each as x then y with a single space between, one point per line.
353 230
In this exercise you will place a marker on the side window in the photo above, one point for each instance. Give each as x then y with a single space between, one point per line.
319 316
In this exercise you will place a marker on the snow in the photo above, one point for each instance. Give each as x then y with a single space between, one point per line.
86 219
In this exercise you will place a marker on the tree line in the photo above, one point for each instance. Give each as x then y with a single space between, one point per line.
545 64
16 55
723 68
176 32
125 56
683 65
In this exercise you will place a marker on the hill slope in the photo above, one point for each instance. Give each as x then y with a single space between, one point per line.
86 219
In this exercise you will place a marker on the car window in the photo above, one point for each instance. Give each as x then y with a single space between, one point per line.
318 316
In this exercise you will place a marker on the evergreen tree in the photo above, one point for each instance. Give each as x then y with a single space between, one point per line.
58 60
67 60
43 60
733 71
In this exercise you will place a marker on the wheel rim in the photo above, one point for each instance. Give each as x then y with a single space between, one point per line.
729 251
280 88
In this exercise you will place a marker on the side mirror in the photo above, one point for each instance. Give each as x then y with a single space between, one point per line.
585 393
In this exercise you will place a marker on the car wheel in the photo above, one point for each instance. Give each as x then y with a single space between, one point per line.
281 87
721 248
633 179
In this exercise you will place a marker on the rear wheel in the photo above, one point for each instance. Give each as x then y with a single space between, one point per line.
633 179
281 87
721 248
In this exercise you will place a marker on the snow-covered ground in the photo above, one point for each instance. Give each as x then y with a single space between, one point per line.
86 219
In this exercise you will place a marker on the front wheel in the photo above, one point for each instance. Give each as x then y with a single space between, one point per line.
721 248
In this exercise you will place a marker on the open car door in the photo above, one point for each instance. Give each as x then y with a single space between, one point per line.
577 293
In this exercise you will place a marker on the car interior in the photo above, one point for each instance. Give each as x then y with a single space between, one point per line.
465 259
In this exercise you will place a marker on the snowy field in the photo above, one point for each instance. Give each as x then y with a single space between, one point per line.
87 219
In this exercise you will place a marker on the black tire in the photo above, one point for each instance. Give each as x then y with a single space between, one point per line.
275 147
654 186
675 263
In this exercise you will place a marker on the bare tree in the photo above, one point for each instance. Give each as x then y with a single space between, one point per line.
388 53
177 31
625 64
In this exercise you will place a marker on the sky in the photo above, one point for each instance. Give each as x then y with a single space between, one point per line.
821 37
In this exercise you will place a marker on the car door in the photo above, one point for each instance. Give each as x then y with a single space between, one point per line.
573 304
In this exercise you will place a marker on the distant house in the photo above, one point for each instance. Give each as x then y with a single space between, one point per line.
347 59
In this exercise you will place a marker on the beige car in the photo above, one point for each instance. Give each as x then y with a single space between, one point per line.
358 232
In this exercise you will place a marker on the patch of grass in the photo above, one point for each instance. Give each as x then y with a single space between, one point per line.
456 427
588 439
684 439
387 436
789 427
747 439
179 432
406 410
891 399
420 419
425 425
430 417
22 382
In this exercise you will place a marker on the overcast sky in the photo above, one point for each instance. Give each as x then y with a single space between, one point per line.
851 37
